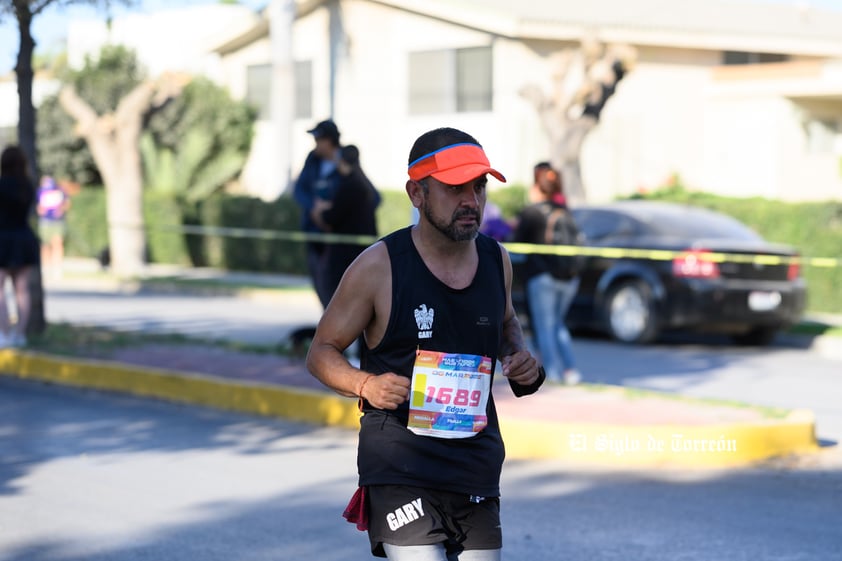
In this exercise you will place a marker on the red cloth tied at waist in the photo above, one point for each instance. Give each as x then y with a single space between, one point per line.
357 512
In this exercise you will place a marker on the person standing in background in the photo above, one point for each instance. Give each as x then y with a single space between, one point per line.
53 204
551 280
19 252
353 211
494 225
318 179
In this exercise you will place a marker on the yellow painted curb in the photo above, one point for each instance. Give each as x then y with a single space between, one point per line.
294 404
717 445
593 444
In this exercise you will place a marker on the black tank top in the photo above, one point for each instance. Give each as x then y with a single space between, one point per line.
429 315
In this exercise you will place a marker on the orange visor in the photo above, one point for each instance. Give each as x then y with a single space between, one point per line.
454 165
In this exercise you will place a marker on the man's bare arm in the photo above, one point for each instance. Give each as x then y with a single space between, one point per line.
351 311
524 372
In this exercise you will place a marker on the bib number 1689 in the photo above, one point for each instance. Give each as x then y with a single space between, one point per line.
444 395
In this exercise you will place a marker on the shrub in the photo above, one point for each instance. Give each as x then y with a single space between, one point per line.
815 229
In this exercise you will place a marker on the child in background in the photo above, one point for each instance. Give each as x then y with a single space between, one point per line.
53 204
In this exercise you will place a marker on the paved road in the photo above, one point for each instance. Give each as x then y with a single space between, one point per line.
89 476
258 321
783 375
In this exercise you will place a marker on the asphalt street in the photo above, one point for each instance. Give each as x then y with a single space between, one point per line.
257 321
92 476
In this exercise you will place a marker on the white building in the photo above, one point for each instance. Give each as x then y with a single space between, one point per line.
736 97
43 85
702 102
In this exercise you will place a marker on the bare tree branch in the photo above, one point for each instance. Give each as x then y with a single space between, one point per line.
583 79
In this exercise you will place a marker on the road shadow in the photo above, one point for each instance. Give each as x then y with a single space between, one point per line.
114 423
693 356
549 511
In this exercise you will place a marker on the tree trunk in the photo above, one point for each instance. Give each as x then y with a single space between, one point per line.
113 140
26 139
567 149
37 315
583 79
24 76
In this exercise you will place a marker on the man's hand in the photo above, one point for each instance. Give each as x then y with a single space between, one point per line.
521 367
319 207
386 391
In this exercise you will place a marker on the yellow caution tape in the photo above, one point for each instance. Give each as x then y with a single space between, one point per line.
272 234
520 248
668 255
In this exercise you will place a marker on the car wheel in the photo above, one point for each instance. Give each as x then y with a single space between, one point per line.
757 336
630 312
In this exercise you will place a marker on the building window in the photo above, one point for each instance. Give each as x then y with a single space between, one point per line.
742 57
473 78
259 89
450 81
303 89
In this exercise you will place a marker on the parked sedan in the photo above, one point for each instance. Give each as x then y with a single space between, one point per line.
635 298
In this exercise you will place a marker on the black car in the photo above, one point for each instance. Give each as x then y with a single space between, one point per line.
634 298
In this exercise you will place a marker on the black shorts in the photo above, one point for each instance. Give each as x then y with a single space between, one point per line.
402 515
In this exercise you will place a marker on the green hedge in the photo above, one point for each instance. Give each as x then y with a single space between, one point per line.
87 230
815 229
250 254
510 199
88 234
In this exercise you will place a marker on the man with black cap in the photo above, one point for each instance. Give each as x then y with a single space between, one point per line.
318 180
353 212
433 303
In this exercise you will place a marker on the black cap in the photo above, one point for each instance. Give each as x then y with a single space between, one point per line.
326 129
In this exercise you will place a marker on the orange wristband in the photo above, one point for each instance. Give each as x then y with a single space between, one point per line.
360 391
367 378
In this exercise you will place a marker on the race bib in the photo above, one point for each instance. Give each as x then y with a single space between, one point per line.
449 394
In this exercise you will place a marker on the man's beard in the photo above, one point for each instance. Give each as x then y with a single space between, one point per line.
452 229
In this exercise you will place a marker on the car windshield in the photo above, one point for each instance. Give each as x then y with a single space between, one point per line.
662 221
699 224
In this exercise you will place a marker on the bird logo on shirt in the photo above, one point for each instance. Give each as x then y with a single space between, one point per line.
424 319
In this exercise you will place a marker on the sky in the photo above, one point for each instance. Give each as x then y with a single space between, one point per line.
50 27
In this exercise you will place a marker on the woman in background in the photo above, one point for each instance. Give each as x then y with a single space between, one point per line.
19 246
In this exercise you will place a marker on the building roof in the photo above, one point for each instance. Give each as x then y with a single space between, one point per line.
259 30
793 28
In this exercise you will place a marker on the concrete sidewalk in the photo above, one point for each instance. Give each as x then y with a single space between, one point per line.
606 426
